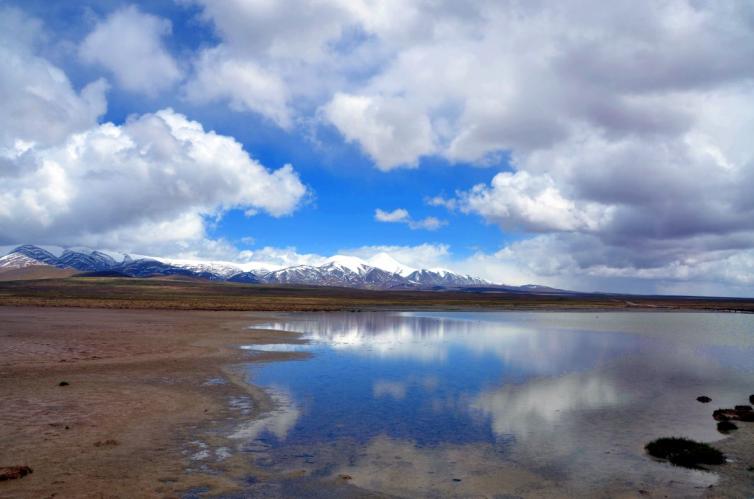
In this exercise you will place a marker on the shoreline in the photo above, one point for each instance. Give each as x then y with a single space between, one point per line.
140 387
153 397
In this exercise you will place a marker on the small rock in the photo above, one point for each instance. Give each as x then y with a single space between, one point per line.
751 399
345 477
743 408
734 414
704 399
726 426
14 472
456 479
63 383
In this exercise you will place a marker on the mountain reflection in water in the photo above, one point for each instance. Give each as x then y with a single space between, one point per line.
516 402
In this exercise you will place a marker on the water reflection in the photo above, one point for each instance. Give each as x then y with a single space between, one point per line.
539 405
384 388
277 422
431 339
509 402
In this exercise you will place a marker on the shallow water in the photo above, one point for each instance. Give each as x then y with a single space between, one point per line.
438 404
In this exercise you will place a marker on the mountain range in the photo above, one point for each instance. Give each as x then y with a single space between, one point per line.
379 272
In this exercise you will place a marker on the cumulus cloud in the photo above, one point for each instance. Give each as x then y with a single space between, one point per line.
158 176
532 203
385 129
129 44
399 215
155 182
40 106
242 82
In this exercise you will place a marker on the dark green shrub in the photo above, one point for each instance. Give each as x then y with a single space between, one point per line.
684 452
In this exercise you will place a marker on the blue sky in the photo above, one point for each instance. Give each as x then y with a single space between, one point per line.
522 142
345 187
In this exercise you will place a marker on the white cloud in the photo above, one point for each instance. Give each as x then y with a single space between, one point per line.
397 215
285 29
273 257
386 129
154 178
153 184
129 44
448 203
242 82
40 106
533 203
428 223
400 215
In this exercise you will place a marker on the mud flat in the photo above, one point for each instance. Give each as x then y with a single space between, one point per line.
107 403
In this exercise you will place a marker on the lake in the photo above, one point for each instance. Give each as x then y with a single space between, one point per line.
498 404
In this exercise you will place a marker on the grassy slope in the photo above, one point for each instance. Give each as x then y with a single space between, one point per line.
35 272
163 293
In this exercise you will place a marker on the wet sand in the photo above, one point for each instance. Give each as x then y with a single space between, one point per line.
151 395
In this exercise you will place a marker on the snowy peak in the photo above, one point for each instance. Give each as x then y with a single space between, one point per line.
36 253
17 261
219 269
381 271
349 263
442 277
389 264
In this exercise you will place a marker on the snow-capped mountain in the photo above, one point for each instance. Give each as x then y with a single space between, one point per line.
18 261
386 262
380 272
443 277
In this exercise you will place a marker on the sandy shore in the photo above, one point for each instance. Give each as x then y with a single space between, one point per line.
137 393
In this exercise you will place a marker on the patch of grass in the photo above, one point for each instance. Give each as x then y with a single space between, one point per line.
684 452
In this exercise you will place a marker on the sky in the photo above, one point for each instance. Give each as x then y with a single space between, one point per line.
586 145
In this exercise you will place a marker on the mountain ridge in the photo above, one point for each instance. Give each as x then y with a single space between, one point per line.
339 270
